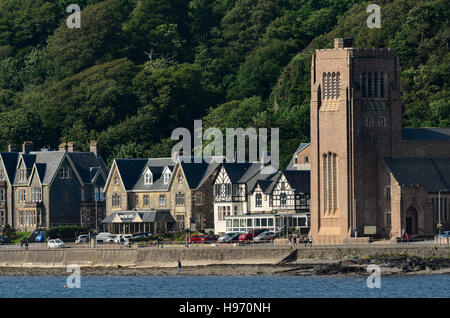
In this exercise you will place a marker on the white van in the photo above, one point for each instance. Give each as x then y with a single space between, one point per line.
104 237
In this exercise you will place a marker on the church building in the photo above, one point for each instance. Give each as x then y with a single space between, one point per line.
370 176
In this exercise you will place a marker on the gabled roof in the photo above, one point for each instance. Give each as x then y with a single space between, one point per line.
432 173
87 165
40 169
131 172
241 172
426 134
51 160
263 180
10 162
197 173
298 180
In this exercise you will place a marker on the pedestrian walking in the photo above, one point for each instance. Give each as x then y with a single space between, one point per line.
21 243
26 244
310 241
406 237
179 266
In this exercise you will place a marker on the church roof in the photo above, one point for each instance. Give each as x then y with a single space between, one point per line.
426 134
432 173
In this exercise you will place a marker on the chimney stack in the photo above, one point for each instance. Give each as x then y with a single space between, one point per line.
62 147
93 147
70 146
27 146
340 43
12 148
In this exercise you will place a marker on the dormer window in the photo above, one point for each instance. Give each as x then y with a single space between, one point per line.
116 179
148 177
167 176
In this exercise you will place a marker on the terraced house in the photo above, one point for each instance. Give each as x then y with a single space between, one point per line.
48 188
138 197
155 188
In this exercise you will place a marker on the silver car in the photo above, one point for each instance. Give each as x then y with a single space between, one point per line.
265 236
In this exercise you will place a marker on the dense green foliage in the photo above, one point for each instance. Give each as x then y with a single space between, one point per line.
137 69
65 232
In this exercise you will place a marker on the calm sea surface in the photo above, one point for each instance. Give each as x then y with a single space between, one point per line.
221 286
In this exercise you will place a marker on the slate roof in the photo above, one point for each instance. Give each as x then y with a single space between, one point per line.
84 162
426 134
10 162
432 173
241 172
197 173
263 180
131 171
161 215
298 180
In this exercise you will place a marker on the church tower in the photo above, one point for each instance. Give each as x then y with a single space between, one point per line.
355 122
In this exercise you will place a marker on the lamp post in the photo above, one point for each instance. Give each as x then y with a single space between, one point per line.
439 211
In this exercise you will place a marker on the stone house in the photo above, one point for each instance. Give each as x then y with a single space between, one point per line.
48 188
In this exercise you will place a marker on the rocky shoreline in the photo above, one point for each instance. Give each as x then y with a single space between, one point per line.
402 265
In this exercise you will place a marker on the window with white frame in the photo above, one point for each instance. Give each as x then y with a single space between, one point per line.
258 199
2 195
162 200
36 195
148 178
198 199
167 176
22 195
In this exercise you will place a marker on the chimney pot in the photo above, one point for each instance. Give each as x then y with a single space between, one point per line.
12 148
27 146
70 146
93 147
62 147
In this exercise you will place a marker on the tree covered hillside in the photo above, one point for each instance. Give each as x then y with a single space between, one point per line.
137 69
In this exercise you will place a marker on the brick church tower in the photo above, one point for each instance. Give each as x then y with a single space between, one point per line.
355 123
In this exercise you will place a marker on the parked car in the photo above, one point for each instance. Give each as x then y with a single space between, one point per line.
84 238
211 238
265 236
40 237
3 239
119 239
57 243
197 238
104 237
444 234
251 234
225 238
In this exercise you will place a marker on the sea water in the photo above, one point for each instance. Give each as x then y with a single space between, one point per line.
225 286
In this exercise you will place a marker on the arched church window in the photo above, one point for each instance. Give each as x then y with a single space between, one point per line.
338 84
333 85
328 85
363 84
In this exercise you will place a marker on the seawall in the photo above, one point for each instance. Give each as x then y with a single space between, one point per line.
168 257
142 257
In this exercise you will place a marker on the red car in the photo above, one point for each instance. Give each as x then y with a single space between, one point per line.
197 238
250 235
